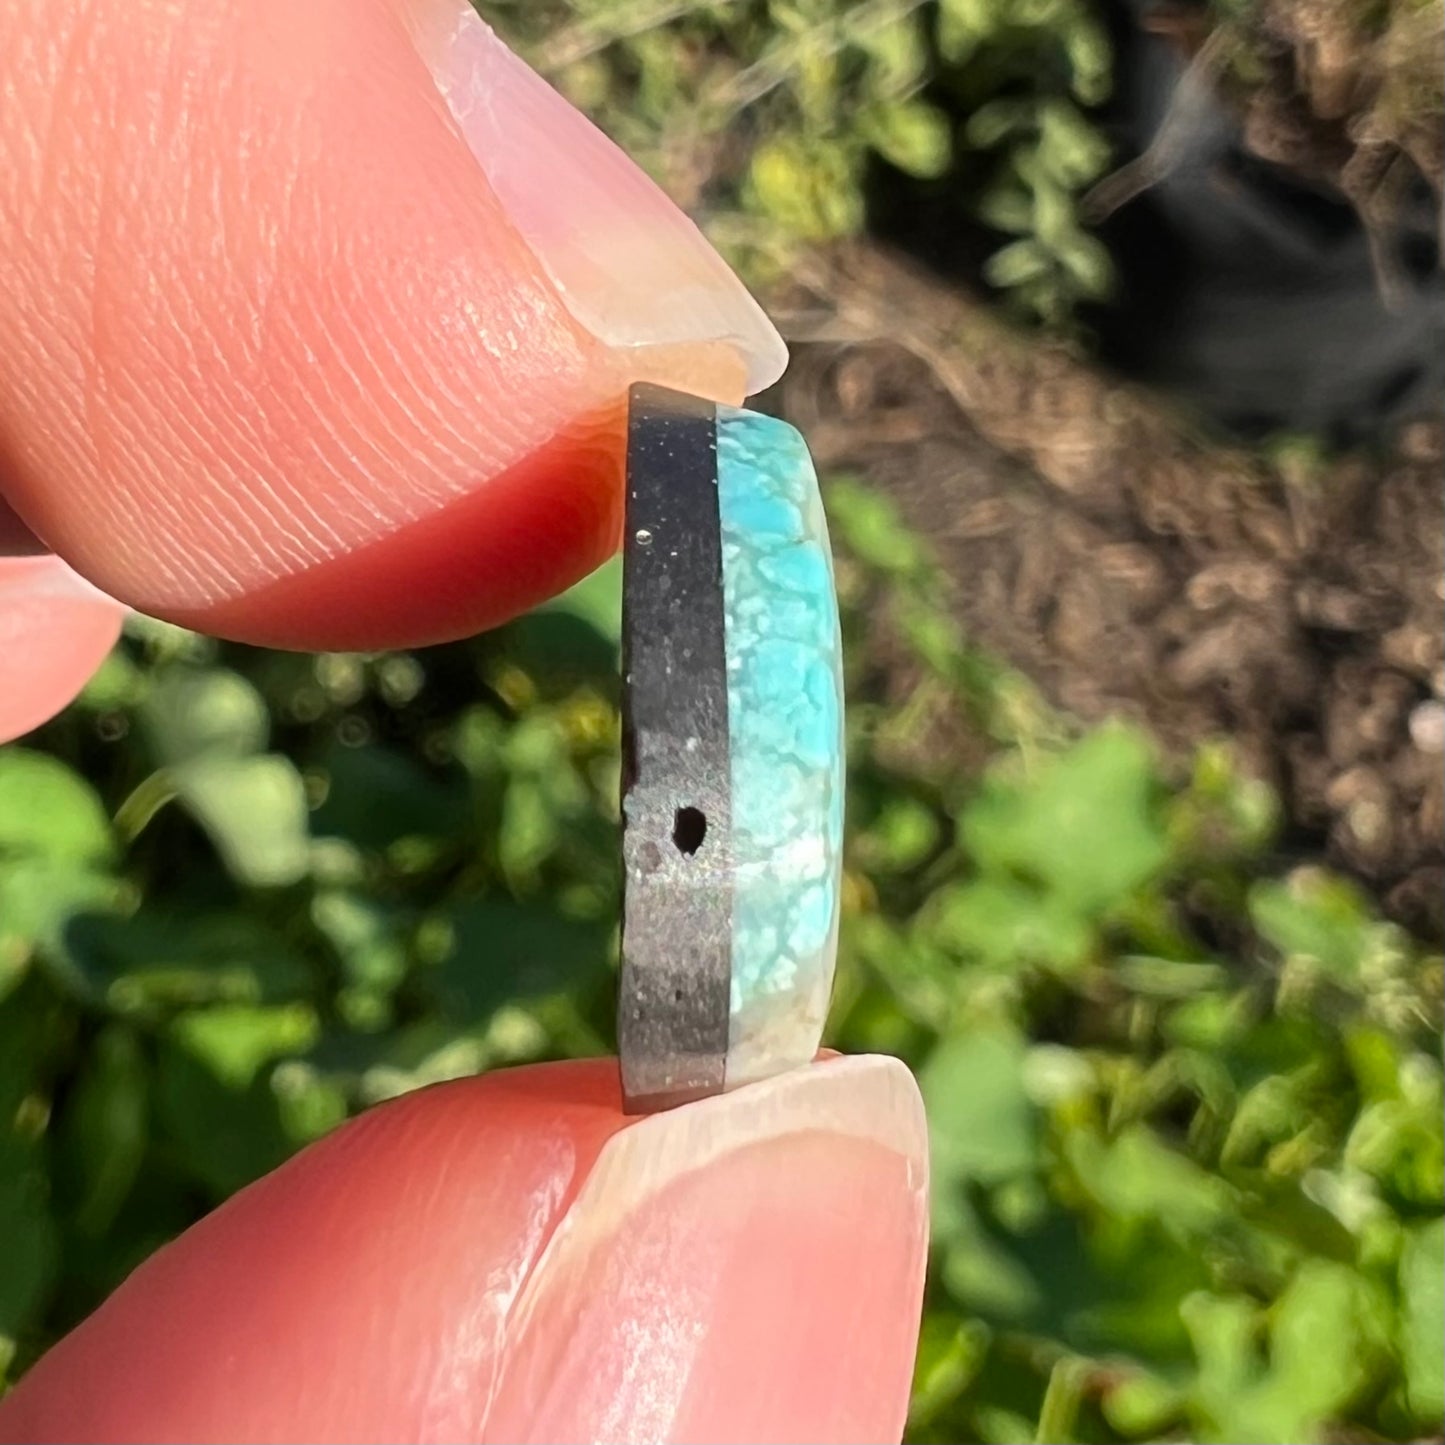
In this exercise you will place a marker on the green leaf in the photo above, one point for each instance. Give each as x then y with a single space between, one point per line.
37 1032
810 187
28 1241
912 135
168 958
595 600
1069 145
979 19
376 797
1058 1416
1135 1176
221 1135
1326 1346
503 950
199 712
998 1426
897 55
1054 220
40 901
1225 1332
1091 57
103 1129
867 523
951 1352
1085 825
49 812
217 1097
1007 925
371 940
1399 1140
254 810
1089 263
207 728
957 39
1141 1406
981 1124
1316 917
904 833
530 829
575 637
997 120
1422 1295
1327 1343
1007 207
981 1273
116 683
236 1041
1016 263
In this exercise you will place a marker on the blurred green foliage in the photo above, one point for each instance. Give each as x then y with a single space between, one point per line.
765 116
1186 1113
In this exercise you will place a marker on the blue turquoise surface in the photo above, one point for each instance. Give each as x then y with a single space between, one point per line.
785 724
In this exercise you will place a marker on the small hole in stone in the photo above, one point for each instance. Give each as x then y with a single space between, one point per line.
677 995
689 828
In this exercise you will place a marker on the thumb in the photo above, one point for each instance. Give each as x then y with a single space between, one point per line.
319 317
510 1258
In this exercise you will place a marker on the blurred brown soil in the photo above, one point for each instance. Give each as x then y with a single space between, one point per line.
1130 565
1343 96
1348 96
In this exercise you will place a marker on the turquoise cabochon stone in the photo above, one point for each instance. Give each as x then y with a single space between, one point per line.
785 725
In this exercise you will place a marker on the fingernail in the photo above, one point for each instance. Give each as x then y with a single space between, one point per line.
746 1268
629 265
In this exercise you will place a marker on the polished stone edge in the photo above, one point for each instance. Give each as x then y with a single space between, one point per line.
780 609
675 984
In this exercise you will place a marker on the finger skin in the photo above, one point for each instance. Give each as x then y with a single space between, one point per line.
525 536
769 1294
509 1258
16 539
55 630
278 363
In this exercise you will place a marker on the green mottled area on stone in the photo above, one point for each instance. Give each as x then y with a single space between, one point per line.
785 723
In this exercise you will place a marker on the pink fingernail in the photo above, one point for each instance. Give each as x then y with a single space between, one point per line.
630 266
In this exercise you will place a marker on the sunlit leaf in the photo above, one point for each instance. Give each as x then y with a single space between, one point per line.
1314 916
196 712
1422 1291
982 1125
255 812
47 811
914 136
1085 823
